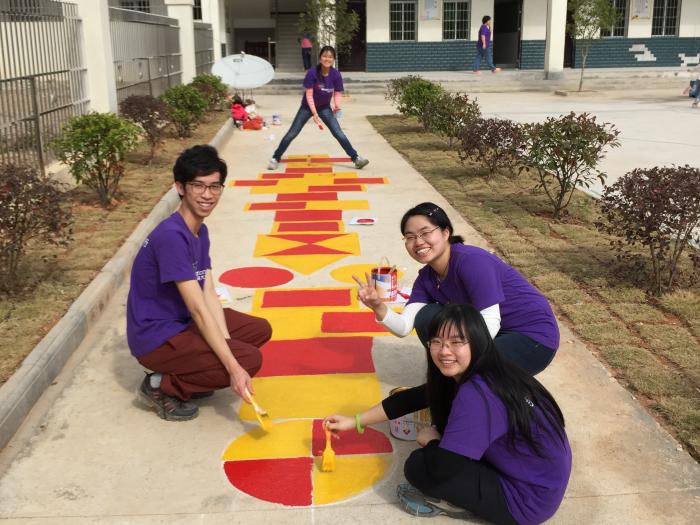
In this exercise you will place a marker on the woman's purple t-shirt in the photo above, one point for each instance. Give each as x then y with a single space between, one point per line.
323 87
155 310
477 428
481 279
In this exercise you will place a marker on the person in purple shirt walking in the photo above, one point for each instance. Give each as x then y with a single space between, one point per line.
483 47
321 84
518 316
175 323
497 447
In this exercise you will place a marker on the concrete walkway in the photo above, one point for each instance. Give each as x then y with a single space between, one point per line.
89 453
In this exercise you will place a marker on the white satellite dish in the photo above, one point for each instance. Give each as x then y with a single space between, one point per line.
243 71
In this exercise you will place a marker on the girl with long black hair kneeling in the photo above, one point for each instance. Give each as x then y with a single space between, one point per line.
497 447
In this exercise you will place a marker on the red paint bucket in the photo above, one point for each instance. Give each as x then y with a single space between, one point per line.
385 278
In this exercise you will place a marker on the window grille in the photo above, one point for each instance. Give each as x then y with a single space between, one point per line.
402 20
620 25
665 18
455 20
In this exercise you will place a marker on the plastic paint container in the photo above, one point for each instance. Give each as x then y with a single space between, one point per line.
406 427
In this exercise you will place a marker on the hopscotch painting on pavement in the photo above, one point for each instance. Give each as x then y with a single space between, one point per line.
319 361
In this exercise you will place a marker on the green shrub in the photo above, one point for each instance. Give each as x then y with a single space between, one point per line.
658 209
565 152
149 113
93 146
186 107
494 143
448 114
411 94
31 207
212 88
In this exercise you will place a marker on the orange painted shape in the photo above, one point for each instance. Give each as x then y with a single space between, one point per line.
308 227
309 249
304 298
350 322
266 206
338 187
309 170
282 176
359 180
308 237
309 215
254 183
311 196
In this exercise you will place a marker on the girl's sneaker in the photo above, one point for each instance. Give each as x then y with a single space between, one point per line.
360 162
416 503
272 165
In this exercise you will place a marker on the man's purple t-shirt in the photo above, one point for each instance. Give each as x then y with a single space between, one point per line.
481 279
323 87
486 32
477 428
155 310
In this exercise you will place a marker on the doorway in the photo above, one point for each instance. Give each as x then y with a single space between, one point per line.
569 41
353 56
507 20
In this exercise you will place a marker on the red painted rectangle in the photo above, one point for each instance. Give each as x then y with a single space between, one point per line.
301 298
359 180
315 196
320 169
254 182
350 322
347 187
282 175
322 355
309 227
321 160
256 206
309 215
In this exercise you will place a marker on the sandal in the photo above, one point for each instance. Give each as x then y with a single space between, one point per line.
167 407
418 504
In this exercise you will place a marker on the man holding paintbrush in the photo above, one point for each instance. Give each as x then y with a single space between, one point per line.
176 325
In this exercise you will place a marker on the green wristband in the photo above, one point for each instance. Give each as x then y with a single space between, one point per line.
358 426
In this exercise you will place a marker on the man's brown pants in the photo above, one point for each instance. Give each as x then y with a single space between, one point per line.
189 365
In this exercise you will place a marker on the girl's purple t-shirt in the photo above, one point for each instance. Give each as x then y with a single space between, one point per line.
477 428
155 310
323 87
485 32
481 279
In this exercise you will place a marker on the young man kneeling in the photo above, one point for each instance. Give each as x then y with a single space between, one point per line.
176 325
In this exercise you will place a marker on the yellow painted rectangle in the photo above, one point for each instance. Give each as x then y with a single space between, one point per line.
352 475
314 396
337 205
289 440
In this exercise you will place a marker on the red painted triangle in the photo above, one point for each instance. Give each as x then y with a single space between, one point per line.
309 238
308 249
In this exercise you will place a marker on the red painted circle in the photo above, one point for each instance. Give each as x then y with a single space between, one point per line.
256 277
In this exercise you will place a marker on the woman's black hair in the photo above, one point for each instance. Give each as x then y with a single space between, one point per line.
485 19
519 391
437 217
323 50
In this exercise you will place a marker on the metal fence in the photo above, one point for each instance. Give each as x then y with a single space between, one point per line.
203 47
42 78
146 52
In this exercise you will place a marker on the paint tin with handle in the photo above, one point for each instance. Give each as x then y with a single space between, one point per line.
406 427
385 279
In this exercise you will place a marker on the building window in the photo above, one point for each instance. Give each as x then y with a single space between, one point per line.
665 18
455 20
136 5
402 20
197 10
620 26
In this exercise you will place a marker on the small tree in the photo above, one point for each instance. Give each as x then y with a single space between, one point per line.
93 146
497 144
186 106
565 152
212 88
149 113
448 114
31 207
412 94
590 17
330 21
659 209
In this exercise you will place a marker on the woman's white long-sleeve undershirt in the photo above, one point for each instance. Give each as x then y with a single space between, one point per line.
402 324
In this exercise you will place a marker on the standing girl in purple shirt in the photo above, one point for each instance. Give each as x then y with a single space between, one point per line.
497 446
321 84
518 316
483 47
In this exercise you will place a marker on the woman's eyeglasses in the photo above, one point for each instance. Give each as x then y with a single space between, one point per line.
437 344
413 237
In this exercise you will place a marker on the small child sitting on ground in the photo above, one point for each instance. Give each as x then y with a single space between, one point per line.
238 112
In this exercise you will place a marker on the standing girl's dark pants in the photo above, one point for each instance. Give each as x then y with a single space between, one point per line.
475 487
306 57
519 349
302 117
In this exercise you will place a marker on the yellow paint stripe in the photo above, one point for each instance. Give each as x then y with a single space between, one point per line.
352 475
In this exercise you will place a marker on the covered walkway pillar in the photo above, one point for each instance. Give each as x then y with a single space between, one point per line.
556 35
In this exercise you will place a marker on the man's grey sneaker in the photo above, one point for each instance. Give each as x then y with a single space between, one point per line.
416 503
272 165
167 407
360 162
